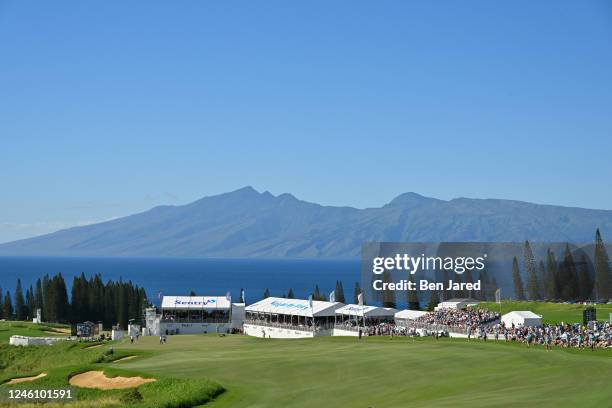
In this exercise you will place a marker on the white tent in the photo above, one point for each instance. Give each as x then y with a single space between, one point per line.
521 318
366 311
294 307
409 314
456 304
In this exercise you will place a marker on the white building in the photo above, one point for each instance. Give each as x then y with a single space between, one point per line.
521 318
350 318
290 318
456 304
193 315
404 316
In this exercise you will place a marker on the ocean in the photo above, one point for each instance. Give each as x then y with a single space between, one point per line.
178 276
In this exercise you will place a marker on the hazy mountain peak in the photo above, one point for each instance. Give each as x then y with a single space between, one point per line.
410 199
246 223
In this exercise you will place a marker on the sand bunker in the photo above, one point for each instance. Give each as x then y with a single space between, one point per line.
124 359
97 379
26 379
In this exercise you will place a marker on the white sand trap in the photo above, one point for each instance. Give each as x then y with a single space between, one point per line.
26 379
124 359
97 379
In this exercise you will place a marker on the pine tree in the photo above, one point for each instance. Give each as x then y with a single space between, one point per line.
356 293
541 280
266 293
469 279
38 296
339 292
550 284
8 306
602 269
316 295
413 296
584 277
290 294
30 303
192 293
19 302
567 276
434 299
388 296
530 267
518 282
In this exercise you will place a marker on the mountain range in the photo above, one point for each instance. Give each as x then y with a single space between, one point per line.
246 223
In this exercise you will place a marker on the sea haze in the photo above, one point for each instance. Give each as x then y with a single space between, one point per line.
178 276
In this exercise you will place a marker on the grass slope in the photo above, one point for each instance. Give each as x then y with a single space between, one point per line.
551 312
10 328
380 372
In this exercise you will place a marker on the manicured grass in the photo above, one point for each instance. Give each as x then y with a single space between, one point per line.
380 372
10 328
65 359
551 312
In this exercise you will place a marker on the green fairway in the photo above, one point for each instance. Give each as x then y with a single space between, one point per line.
380 372
551 312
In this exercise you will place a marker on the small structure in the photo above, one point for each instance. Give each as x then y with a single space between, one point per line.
117 334
290 318
457 304
404 316
350 318
85 329
38 318
34 341
523 318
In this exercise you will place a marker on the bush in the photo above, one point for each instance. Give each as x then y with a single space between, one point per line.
133 396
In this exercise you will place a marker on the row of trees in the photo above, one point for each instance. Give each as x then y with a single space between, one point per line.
91 299
565 278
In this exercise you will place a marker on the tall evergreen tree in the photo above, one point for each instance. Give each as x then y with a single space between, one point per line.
8 307
567 276
290 294
388 296
434 299
469 279
38 296
602 269
550 283
516 279
339 292
541 280
356 293
584 277
413 296
19 302
30 303
266 293
530 267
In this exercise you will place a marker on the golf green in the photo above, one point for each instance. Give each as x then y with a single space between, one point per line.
381 372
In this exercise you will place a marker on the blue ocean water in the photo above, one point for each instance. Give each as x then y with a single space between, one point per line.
178 276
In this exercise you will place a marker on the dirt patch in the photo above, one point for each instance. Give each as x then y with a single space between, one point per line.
124 359
26 379
97 379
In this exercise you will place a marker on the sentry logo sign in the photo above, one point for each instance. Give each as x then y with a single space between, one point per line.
194 302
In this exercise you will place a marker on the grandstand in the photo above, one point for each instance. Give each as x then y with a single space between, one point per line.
194 314
290 318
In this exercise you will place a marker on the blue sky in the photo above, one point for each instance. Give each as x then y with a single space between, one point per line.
111 108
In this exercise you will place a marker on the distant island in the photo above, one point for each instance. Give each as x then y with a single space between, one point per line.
246 223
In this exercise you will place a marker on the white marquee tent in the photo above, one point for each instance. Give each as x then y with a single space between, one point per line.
521 318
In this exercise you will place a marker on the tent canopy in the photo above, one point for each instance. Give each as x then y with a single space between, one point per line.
366 311
294 307
195 302
409 314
